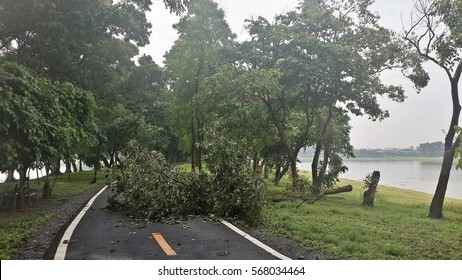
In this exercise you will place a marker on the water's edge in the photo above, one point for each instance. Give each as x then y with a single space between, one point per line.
411 174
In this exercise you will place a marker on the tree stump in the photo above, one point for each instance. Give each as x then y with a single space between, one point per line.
372 182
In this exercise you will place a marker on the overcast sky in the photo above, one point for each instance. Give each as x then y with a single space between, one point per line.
421 118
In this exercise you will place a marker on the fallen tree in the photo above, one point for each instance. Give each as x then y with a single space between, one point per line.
322 193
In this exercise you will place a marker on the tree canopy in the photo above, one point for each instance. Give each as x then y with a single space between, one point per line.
309 68
41 119
204 37
71 83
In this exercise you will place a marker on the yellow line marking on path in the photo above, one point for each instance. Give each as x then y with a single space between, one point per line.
163 244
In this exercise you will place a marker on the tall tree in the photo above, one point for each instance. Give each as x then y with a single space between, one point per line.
311 66
204 35
436 35
41 119
88 43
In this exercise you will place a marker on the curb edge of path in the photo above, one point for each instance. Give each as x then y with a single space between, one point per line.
62 246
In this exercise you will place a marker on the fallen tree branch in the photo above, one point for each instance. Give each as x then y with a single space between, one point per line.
279 199
322 193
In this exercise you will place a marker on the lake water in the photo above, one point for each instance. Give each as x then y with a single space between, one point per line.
417 174
33 174
40 173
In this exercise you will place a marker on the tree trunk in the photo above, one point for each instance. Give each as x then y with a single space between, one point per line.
193 144
200 140
117 158
74 166
255 163
80 165
265 171
348 188
322 193
10 176
106 163
37 174
277 177
436 206
111 159
94 176
314 167
369 195
280 172
320 145
68 166
198 159
19 201
46 191
22 182
294 173
56 168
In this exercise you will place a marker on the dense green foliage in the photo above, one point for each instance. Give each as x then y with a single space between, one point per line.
153 189
237 190
41 120
71 87
305 71
203 44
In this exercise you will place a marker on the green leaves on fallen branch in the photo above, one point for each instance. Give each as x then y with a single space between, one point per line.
153 189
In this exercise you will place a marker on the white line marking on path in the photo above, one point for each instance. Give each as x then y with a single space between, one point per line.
62 246
255 241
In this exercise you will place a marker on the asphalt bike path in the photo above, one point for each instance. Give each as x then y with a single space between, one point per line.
100 234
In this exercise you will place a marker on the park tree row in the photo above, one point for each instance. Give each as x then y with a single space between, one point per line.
300 76
70 87
293 84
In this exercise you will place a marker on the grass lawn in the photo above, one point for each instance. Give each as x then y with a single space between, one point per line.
397 228
18 226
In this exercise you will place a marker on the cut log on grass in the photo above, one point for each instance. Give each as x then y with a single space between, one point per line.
279 199
322 193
